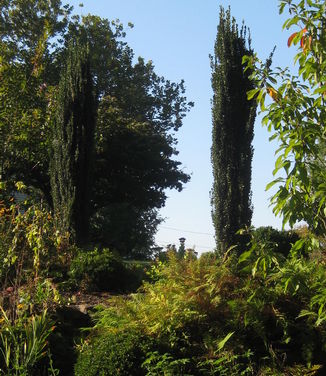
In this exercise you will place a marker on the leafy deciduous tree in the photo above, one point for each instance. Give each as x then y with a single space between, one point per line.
138 115
27 70
297 117
134 165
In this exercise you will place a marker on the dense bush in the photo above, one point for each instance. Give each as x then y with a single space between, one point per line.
104 270
279 241
113 354
98 269
136 274
263 314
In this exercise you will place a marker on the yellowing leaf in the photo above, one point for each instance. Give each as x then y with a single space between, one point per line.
305 43
273 93
292 36
290 40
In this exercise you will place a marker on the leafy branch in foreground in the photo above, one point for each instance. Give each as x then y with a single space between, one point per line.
296 116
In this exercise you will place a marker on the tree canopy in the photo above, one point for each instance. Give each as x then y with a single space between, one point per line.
137 113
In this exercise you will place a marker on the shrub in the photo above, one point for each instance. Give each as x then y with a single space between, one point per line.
136 274
30 245
279 241
112 354
98 269
165 364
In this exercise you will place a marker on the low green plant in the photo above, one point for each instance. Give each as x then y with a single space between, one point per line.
227 363
164 364
23 344
30 245
111 354
37 296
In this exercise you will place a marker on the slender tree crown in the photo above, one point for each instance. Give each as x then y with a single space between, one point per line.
73 138
233 125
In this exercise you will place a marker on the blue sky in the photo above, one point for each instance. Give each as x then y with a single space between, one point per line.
178 36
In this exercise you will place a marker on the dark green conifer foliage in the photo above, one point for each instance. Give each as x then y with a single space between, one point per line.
233 122
73 139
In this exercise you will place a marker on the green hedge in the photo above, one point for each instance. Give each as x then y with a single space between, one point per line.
113 354
98 269
279 241
104 270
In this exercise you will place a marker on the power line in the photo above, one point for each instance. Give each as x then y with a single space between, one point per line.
196 245
190 232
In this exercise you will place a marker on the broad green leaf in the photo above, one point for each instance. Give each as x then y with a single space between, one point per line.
222 343
252 93
271 184
320 90
244 256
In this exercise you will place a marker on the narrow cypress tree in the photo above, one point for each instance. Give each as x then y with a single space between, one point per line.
233 123
73 138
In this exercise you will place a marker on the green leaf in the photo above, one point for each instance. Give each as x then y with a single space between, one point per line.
272 183
320 90
251 296
252 93
244 256
222 343
305 313
292 21
281 7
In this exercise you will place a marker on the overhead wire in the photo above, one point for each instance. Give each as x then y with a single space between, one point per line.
164 243
188 231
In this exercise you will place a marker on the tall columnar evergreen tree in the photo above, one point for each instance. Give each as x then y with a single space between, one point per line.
73 139
233 123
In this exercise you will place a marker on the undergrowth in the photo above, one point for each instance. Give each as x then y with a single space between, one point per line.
262 314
